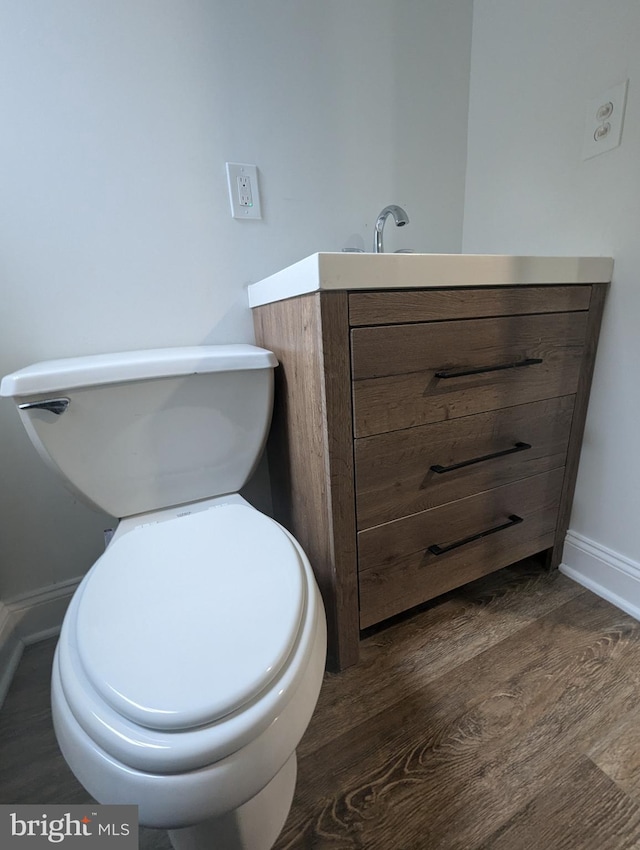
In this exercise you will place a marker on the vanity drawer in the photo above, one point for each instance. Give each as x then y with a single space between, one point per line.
405 472
468 538
413 374
429 305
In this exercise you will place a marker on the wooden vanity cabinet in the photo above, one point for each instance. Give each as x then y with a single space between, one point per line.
423 438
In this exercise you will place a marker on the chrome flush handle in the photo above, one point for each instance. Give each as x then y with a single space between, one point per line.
53 405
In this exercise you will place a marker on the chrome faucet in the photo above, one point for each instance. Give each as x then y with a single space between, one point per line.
399 216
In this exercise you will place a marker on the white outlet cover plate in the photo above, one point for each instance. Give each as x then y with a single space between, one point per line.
234 171
604 117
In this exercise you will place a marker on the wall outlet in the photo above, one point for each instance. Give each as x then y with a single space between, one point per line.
244 195
603 121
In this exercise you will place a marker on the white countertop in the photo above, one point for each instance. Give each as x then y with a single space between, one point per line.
330 271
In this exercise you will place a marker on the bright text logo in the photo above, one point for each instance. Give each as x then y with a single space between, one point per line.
105 827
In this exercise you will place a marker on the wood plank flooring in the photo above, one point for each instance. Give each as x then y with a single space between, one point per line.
503 716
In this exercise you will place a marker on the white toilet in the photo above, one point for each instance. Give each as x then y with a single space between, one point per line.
191 656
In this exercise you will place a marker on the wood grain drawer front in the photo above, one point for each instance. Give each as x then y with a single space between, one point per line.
407 375
409 305
398 571
395 474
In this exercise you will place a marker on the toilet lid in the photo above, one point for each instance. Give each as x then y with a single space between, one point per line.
183 621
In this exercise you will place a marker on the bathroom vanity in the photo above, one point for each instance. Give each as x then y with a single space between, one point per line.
428 419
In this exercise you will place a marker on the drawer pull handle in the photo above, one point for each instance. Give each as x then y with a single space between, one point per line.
530 361
518 447
440 550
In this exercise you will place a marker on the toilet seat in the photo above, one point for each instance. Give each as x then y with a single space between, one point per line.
183 622
181 722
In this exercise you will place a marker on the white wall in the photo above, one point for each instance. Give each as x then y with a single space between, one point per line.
118 116
534 66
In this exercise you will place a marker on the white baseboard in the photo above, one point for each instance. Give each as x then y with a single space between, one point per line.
614 577
28 618
10 650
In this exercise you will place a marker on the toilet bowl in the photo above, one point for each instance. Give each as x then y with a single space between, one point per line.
191 656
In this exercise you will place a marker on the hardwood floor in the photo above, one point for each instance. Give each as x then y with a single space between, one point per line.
503 716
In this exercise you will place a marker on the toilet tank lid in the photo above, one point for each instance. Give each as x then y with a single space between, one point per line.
94 370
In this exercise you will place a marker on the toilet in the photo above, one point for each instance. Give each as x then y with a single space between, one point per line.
192 653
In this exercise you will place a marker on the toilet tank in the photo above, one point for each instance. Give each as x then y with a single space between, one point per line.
144 430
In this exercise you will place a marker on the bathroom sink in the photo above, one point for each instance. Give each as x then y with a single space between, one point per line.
331 271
